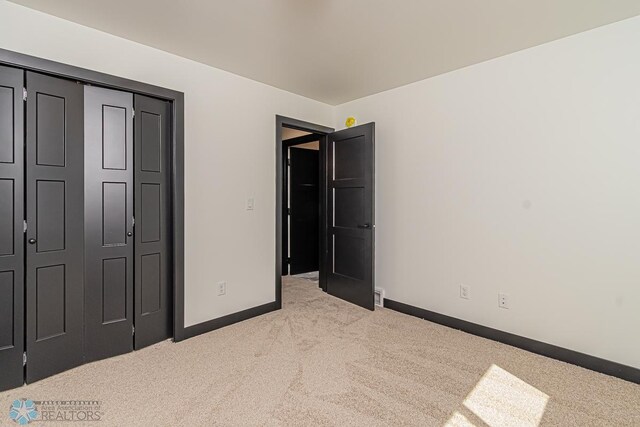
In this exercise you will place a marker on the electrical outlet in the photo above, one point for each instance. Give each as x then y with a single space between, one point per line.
222 288
250 203
465 292
503 300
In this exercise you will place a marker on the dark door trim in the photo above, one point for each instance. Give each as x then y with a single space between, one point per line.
57 69
309 127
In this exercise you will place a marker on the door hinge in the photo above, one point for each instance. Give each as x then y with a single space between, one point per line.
24 226
133 221
288 211
24 94
288 162
133 113
133 330
288 260
24 359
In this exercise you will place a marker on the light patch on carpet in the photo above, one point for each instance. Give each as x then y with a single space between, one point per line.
501 399
459 420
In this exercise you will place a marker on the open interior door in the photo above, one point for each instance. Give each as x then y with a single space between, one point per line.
350 227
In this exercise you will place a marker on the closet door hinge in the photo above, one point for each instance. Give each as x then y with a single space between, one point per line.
24 359
133 330
133 113
24 94
24 226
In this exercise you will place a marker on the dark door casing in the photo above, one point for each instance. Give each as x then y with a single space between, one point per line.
11 228
153 308
350 215
108 222
304 217
55 225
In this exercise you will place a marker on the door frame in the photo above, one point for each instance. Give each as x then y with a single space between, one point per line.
280 147
85 76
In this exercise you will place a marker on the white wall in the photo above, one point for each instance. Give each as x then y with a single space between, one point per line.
522 175
229 150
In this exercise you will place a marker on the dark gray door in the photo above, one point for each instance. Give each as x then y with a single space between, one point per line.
11 227
54 205
153 290
350 215
304 217
108 222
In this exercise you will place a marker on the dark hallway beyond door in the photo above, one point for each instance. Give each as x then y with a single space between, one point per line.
304 208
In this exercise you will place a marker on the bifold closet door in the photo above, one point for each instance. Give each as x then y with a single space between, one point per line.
108 222
11 227
55 225
153 291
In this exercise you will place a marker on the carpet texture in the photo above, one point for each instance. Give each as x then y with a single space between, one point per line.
321 361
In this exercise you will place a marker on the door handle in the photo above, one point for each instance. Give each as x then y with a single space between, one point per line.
32 241
129 234
367 225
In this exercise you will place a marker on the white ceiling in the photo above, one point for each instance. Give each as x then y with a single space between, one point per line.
339 50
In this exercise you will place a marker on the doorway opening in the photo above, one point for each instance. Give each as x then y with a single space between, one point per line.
300 189
301 224
325 208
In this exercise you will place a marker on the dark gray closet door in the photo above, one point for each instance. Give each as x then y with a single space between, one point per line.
153 290
11 227
54 225
350 214
108 222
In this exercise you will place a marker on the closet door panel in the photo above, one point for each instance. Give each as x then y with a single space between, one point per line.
54 206
153 290
109 222
11 228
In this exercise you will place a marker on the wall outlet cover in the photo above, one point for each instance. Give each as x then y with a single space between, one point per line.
503 300
465 292
222 288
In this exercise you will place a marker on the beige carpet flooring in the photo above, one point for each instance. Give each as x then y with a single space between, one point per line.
321 361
